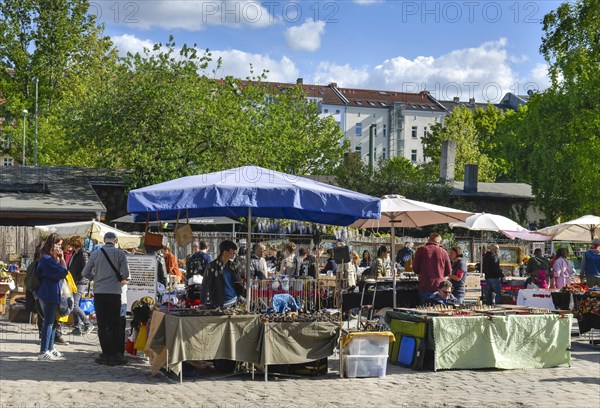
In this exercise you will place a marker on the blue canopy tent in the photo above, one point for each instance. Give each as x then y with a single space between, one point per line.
252 191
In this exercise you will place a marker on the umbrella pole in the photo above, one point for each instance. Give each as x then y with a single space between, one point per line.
248 279
393 262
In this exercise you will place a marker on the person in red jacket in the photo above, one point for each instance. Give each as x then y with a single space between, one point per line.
433 265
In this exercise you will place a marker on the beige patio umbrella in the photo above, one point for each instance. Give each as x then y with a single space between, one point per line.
582 229
397 210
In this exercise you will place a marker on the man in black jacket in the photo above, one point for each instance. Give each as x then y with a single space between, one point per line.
222 284
493 275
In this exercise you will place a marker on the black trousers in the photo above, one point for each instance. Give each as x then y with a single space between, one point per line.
108 316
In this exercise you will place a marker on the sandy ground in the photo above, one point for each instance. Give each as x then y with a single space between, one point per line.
76 381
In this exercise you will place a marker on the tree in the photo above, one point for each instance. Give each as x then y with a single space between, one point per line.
162 116
56 42
460 127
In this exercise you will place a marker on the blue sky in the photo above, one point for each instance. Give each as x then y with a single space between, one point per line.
478 49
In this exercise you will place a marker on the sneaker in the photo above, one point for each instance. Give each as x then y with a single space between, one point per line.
88 329
56 353
76 332
61 340
47 356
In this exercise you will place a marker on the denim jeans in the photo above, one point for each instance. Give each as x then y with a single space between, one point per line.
493 285
49 310
79 316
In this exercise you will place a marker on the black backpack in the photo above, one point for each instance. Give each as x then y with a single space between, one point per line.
196 266
32 282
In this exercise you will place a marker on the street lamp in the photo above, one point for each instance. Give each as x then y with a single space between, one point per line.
24 130
35 145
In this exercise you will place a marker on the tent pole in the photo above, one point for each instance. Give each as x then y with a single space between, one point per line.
248 278
393 262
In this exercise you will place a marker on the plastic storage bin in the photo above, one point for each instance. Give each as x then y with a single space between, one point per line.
366 345
365 366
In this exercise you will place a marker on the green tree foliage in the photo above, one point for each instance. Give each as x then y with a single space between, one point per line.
55 42
162 116
460 127
557 144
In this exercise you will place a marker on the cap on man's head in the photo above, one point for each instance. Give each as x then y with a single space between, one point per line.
596 242
110 237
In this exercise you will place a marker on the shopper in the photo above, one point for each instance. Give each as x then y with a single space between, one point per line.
75 265
378 265
590 264
198 261
562 270
330 267
405 254
258 264
493 276
108 268
171 264
290 266
458 276
443 296
366 259
538 268
222 284
432 264
51 270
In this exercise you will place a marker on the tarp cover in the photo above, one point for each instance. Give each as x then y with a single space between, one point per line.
268 193
508 342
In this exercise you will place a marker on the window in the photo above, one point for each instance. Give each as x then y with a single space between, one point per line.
358 129
374 130
383 155
337 111
414 132
384 130
372 103
413 155
425 131
358 149
8 162
325 110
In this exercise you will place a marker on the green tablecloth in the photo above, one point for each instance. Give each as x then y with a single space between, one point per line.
240 338
189 338
299 342
508 342
513 341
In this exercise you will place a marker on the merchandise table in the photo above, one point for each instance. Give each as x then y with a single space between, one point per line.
506 342
539 298
174 339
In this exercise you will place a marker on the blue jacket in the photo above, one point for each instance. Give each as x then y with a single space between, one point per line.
50 274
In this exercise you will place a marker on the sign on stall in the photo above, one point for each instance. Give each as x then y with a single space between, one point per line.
142 278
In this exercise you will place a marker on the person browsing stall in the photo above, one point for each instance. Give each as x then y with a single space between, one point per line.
443 296
493 275
109 270
433 265
258 264
222 284
458 276
590 264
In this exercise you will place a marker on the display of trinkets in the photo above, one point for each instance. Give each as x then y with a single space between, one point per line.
321 316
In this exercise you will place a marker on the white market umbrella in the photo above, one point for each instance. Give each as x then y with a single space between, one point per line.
583 229
90 229
488 222
398 210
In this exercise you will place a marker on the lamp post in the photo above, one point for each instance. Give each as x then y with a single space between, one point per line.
24 131
35 145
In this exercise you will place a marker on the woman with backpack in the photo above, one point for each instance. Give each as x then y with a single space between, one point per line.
51 270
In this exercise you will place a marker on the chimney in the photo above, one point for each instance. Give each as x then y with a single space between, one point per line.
447 161
472 101
300 81
470 185
456 99
333 84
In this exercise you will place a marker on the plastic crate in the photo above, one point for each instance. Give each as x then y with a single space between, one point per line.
366 345
365 366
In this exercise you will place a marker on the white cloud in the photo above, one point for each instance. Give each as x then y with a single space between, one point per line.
234 62
187 15
306 37
482 72
344 75
538 78
237 63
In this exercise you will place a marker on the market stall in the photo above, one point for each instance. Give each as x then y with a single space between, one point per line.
501 337
195 335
